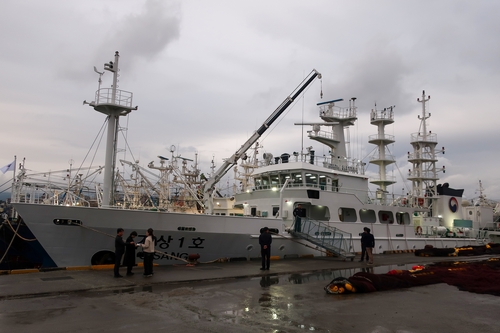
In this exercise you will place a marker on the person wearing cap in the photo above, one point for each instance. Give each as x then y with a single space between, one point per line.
265 240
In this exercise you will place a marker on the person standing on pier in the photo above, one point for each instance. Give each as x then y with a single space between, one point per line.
265 240
149 251
119 250
364 241
370 244
129 258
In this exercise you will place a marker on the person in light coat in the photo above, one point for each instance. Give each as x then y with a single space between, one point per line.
149 251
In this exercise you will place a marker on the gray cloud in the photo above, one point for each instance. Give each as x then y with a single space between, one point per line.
147 34
206 74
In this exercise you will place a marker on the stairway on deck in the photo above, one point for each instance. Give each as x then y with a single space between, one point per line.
332 239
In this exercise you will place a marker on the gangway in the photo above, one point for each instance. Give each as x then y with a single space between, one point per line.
332 239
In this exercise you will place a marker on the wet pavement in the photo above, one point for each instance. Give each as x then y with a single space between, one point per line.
238 297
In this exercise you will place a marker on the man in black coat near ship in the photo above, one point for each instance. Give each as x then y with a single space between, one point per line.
297 213
364 241
367 242
119 251
129 258
265 240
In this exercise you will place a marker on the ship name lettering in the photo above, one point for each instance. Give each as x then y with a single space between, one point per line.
164 244
197 243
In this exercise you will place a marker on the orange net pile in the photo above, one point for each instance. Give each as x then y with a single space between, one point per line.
478 277
476 250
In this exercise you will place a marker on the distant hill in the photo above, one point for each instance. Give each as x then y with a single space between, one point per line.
4 196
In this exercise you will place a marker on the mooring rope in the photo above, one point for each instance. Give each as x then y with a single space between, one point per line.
10 244
17 234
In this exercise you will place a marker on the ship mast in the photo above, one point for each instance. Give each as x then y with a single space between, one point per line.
424 173
381 157
339 119
113 103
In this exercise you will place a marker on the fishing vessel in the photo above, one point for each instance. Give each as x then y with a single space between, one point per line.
332 190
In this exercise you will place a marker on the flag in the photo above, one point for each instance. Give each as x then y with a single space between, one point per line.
9 167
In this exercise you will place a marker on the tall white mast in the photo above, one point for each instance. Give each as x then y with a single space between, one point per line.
113 103
424 173
381 157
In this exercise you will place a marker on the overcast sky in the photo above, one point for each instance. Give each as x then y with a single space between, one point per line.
206 74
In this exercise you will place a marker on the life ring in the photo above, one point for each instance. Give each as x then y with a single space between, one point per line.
420 201
403 201
418 230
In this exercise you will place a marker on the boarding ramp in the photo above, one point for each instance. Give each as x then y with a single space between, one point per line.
332 239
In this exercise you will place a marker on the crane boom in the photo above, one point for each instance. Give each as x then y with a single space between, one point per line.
208 187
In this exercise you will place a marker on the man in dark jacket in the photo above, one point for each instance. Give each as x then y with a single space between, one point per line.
368 241
265 240
363 245
129 258
297 213
119 250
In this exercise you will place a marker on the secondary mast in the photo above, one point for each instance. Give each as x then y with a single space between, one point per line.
382 157
423 159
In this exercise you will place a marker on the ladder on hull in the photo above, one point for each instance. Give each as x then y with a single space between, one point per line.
332 239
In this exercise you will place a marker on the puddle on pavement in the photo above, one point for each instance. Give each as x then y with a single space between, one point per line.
267 280
264 301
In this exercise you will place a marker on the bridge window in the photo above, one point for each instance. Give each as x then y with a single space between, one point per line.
297 177
347 215
311 179
386 216
403 218
283 178
264 183
367 215
322 182
275 180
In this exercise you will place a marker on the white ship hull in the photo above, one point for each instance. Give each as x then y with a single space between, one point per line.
211 236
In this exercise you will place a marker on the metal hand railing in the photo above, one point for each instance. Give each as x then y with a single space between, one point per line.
321 234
